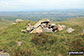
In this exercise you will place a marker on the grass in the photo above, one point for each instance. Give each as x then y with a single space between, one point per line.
4 25
43 44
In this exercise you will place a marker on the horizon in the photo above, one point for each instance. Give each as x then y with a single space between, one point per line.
39 5
41 10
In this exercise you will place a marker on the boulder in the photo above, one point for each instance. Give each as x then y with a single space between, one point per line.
52 24
37 30
43 25
55 28
29 27
4 54
40 22
19 20
19 43
63 26
70 30
59 27
47 30
14 23
83 30
24 31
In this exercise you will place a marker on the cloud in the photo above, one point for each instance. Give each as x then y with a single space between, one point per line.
11 5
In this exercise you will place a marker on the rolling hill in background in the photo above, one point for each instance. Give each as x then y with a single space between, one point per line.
55 15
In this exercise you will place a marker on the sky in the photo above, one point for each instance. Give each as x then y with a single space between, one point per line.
29 5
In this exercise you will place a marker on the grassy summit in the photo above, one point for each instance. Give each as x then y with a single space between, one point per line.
44 44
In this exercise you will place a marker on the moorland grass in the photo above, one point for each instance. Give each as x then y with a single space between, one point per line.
43 44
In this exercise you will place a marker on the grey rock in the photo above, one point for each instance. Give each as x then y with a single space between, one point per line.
19 43
37 30
19 20
83 30
39 22
14 23
47 30
70 30
4 54
63 26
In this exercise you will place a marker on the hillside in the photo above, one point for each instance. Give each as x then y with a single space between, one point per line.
44 44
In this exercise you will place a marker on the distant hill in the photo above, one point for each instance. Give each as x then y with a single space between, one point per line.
45 44
57 15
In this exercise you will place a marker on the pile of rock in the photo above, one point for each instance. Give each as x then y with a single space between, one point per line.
44 26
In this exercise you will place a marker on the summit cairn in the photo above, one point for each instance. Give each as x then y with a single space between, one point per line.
44 25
